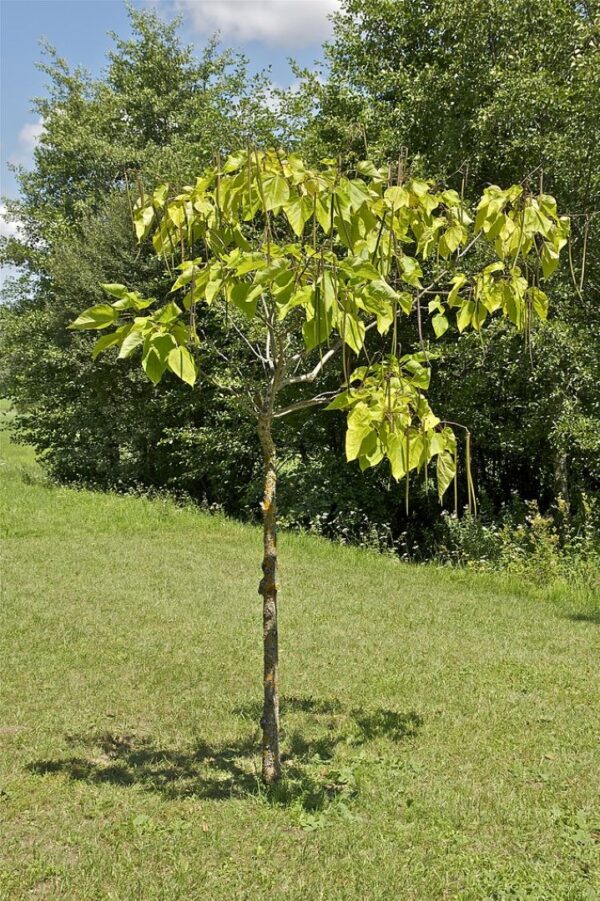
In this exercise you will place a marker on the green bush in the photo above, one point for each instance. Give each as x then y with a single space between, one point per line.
542 548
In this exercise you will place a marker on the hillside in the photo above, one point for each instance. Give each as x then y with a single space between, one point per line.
440 727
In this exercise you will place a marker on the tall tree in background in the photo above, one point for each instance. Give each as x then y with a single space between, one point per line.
159 111
479 93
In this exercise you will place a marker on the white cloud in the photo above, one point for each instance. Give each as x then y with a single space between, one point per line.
7 229
30 135
27 140
285 23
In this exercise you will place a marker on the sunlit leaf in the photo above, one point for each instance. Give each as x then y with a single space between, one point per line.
181 362
100 316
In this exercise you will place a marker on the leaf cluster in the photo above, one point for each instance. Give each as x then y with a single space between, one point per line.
318 257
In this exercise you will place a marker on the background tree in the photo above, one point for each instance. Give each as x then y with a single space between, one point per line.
159 111
308 265
480 93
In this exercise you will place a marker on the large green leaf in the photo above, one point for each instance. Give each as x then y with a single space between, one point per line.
353 331
358 193
411 271
359 428
420 375
143 219
465 315
298 212
360 268
245 297
115 290
396 448
446 470
540 302
181 362
451 239
160 195
156 354
235 161
371 451
100 316
304 297
317 330
275 190
133 340
342 401
397 197
323 213
440 324
106 341
167 314
249 262
550 258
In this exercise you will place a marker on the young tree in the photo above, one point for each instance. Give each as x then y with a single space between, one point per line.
309 265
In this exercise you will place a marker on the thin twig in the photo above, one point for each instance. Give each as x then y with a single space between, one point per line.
254 350
583 256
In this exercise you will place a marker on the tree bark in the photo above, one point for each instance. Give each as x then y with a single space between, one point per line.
271 763
561 493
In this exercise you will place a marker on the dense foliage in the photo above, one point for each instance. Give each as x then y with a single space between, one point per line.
494 93
474 93
158 112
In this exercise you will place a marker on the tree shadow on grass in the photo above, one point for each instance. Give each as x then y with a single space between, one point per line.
224 770
203 770
591 616
366 724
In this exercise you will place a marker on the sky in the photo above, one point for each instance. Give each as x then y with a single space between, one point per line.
268 31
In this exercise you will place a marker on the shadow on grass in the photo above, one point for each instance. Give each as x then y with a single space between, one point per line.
292 704
204 770
226 770
592 616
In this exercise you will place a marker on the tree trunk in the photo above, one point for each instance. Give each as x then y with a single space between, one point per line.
561 493
271 763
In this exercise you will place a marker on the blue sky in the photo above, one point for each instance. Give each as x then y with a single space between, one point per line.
268 31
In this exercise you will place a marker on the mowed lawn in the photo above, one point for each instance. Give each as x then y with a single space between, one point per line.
441 729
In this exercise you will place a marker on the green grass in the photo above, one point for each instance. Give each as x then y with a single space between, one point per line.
441 728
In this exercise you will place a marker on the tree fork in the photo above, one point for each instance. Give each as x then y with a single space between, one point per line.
271 762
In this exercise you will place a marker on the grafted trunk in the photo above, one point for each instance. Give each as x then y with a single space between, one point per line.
271 763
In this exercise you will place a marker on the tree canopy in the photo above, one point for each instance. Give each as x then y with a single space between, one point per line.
350 256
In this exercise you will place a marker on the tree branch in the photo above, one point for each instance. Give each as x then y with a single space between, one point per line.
304 404
312 375
254 350
270 342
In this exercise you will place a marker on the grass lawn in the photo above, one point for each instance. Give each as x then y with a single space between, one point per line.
440 727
